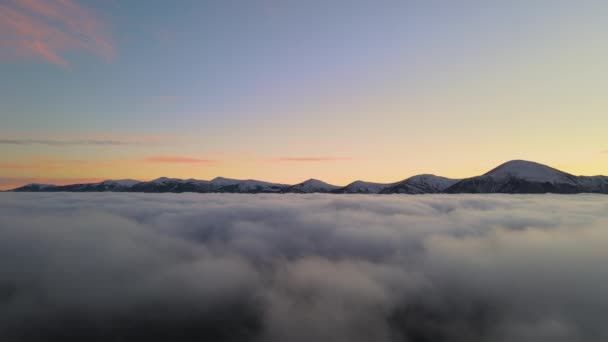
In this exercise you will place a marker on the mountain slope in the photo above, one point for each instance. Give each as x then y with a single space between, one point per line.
34 187
420 184
361 187
164 184
107 185
220 184
593 184
311 186
519 176
515 177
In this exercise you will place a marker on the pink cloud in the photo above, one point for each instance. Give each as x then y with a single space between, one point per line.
178 160
46 29
308 159
47 164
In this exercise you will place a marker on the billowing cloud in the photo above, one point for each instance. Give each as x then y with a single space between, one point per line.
227 267
47 29
178 160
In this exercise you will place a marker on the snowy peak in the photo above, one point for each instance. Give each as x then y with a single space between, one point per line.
221 181
530 171
513 177
421 184
120 182
218 184
436 182
35 187
245 186
311 186
162 180
361 187
521 177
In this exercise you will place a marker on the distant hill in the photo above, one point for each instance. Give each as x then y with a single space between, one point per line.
512 177
525 177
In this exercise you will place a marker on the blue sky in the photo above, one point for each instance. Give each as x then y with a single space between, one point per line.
387 88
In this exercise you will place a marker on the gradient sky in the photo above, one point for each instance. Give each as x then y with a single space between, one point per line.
285 90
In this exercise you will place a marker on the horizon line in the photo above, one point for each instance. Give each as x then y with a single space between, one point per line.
101 180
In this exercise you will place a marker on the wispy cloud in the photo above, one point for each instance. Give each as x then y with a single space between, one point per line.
179 160
50 142
46 29
604 152
50 164
101 141
308 159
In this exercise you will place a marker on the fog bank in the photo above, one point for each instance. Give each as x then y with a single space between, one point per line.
229 267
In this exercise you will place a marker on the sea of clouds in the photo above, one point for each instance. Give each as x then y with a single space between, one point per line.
273 268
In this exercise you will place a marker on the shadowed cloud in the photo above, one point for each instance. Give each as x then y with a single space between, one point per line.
266 268
47 29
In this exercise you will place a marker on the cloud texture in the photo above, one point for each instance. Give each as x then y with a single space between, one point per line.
226 267
47 29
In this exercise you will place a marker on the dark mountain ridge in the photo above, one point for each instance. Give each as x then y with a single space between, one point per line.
512 177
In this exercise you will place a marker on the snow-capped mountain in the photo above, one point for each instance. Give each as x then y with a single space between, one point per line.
519 176
114 185
35 187
107 185
361 187
165 180
530 171
595 184
516 176
220 184
420 184
311 186
164 184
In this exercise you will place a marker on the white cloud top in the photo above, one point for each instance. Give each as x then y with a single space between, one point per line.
225 267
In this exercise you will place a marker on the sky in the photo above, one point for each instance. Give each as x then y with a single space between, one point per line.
286 90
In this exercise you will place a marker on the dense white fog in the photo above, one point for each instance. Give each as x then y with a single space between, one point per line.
226 267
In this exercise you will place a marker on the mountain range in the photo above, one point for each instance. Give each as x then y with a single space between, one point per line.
512 177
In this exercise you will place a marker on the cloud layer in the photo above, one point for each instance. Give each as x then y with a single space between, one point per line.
222 267
47 29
